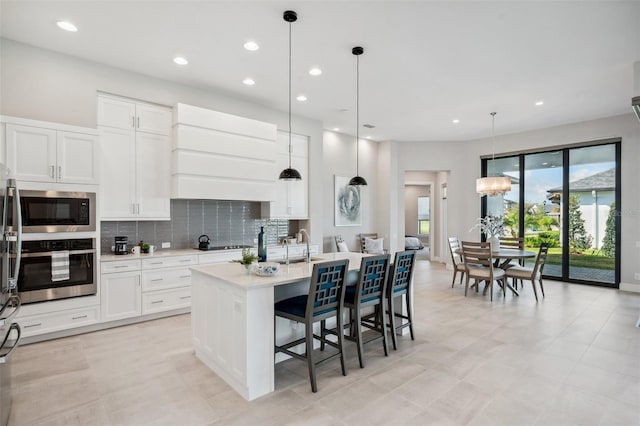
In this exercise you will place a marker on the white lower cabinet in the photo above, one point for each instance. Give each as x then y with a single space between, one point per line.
166 300
56 321
147 286
121 295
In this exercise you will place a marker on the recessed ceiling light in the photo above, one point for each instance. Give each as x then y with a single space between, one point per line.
67 26
301 98
455 121
180 60
368 137
336 129
539 103
545 163
251 46
315 71
249 81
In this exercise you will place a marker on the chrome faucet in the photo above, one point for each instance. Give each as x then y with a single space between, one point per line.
308 254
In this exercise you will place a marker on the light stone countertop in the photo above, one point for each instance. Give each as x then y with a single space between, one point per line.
236 274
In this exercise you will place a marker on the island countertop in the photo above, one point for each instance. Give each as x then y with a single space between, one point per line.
236 274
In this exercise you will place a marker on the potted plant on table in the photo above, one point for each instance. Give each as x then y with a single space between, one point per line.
144 247
248 259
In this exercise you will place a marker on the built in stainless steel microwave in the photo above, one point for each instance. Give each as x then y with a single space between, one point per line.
57 211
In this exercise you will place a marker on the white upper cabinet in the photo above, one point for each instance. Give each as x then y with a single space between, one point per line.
136 159
291 197
50 152
127 114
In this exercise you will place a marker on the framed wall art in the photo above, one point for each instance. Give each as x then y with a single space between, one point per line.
348 203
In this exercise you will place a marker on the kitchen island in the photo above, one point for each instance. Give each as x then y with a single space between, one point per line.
232 318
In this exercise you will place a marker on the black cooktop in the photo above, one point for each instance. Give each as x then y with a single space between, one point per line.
229 247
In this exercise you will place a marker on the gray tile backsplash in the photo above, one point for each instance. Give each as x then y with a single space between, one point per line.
225 222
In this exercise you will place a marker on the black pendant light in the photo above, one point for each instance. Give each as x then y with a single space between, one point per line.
357 180
290 173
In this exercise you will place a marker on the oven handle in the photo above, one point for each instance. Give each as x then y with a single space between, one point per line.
9 318
49 253
17 237
5 357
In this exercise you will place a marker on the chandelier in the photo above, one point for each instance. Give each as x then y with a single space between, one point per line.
493 185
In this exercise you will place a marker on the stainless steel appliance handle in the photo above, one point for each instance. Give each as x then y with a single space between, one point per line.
5 357
49 253
8 319
13 279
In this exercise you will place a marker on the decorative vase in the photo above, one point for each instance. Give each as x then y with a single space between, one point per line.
495 243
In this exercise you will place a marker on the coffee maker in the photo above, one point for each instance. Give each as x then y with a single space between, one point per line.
120 245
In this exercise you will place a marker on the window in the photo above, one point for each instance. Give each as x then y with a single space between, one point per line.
424 224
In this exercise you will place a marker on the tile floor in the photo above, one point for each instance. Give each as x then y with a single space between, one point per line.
571 359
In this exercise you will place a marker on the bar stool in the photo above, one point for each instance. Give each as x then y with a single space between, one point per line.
368 291
325 300
400 282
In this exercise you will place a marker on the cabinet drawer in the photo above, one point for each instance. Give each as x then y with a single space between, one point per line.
166 300
169 262
119 266
56 321
165 278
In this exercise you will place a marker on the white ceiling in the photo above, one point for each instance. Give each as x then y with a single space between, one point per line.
425 63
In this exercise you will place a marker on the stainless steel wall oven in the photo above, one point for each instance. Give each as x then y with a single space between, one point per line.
41 278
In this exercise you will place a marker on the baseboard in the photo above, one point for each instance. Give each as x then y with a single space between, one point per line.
633 288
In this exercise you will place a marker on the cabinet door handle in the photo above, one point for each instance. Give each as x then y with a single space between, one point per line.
59 172
185 297
120 266
79 317
185 260
156 263
38 324
53 172
157 301
185 276
158 279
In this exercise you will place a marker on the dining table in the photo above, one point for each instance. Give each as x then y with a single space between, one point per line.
503 256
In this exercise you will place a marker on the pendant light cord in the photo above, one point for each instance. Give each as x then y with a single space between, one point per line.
493 136
358 115
289 94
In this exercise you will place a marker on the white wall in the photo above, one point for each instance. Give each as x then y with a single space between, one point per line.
45 85
463 161
339 158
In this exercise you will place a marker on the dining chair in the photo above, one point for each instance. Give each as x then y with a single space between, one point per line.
478 261
369 291
516 243
400 283
325 300
531 274
373 246
456 257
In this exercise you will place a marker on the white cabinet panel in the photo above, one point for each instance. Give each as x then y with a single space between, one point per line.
77 158
166 300
153 159
56 321
117 170
162 279
31 153
152 119
116 113
119 266
169 262
121 295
